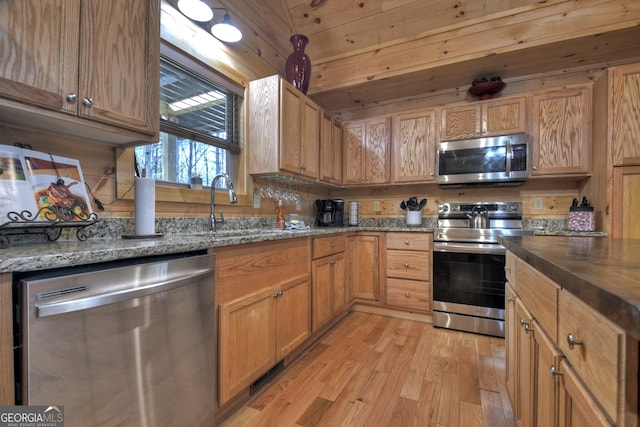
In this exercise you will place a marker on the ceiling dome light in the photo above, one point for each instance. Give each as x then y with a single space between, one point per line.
225 31
196 10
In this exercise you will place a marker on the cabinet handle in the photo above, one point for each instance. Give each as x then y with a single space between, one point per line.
333 261
406 242
333 244
571 340
72 97
553 371
278 294
525 325
87 101
431 174
507 269
406 294
406 265
535 168
509 299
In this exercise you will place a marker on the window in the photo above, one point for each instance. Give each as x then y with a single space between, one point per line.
198 128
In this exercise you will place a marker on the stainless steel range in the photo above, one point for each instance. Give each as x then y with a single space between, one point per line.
468 264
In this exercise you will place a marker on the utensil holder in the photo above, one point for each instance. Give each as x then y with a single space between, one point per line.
414 218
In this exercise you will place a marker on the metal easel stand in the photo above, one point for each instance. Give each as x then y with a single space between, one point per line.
49 221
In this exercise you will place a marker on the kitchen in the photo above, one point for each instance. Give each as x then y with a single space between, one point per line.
537 61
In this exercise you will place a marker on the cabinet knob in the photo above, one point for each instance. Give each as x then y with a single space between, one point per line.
406 294
507 269
406 242
72 97
431 174
333 261
509 299
87 101
572 341
525 325
553 371
333 244
406 265
535 168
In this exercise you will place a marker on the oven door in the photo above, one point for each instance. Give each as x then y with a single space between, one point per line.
469 286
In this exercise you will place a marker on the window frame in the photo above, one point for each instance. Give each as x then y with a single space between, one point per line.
182 193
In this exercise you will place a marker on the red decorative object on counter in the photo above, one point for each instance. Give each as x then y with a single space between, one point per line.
298 65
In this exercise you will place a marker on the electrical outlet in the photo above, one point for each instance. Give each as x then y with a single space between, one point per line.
256 201
538 203
376 206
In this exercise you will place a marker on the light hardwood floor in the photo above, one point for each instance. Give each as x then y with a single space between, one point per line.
379 371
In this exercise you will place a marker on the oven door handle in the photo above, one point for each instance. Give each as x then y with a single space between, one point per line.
469 248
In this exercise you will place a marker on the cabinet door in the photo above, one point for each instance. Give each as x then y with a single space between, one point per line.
322 280
576 406
561 132
290 128
377 151
336 160
626 203
504 117
526 378
625 98
460 122
339 283
247 344
353 159
119 63
40 52
293 324
326 149
309 139
414 138
511 323
363 266
547 363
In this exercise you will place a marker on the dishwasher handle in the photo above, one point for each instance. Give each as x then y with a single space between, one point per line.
85 303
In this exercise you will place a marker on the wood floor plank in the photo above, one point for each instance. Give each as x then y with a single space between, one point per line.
372 370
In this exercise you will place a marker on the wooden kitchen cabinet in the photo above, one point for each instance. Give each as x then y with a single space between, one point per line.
486 118
284 129
561 131
328 281
626 204
263 292
7 389
330 150
82 65
366 151
363 263
408 271
413 151
625 114
553 382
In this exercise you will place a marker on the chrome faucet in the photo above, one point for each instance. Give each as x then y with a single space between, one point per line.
232 199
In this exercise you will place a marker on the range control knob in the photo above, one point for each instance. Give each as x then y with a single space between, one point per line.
445 208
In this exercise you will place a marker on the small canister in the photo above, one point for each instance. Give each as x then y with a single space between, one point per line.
581 218
354 208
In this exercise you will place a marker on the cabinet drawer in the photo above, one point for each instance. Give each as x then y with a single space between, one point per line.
323 246
599 358
409 241
540 295
409 265
412 294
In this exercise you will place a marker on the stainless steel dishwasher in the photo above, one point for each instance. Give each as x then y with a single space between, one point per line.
131 345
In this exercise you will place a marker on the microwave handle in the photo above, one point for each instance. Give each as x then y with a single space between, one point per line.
508 157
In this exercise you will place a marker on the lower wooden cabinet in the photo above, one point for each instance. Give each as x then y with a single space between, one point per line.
329 293
408 271
578 379
363 263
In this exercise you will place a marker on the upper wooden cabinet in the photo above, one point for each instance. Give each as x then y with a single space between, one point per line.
486 118
414 138
561 131
95 61
330 150
366 151
284 129
625 117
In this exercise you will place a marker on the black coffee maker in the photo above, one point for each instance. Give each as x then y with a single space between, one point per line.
330 213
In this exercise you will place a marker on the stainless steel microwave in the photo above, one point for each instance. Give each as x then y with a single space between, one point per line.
500 160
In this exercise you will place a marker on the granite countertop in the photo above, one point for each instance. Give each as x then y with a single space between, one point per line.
604 273
72 252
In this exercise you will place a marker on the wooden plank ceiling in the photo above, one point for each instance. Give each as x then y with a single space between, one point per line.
367 52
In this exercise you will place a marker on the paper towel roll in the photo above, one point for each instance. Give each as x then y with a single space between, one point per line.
145 209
